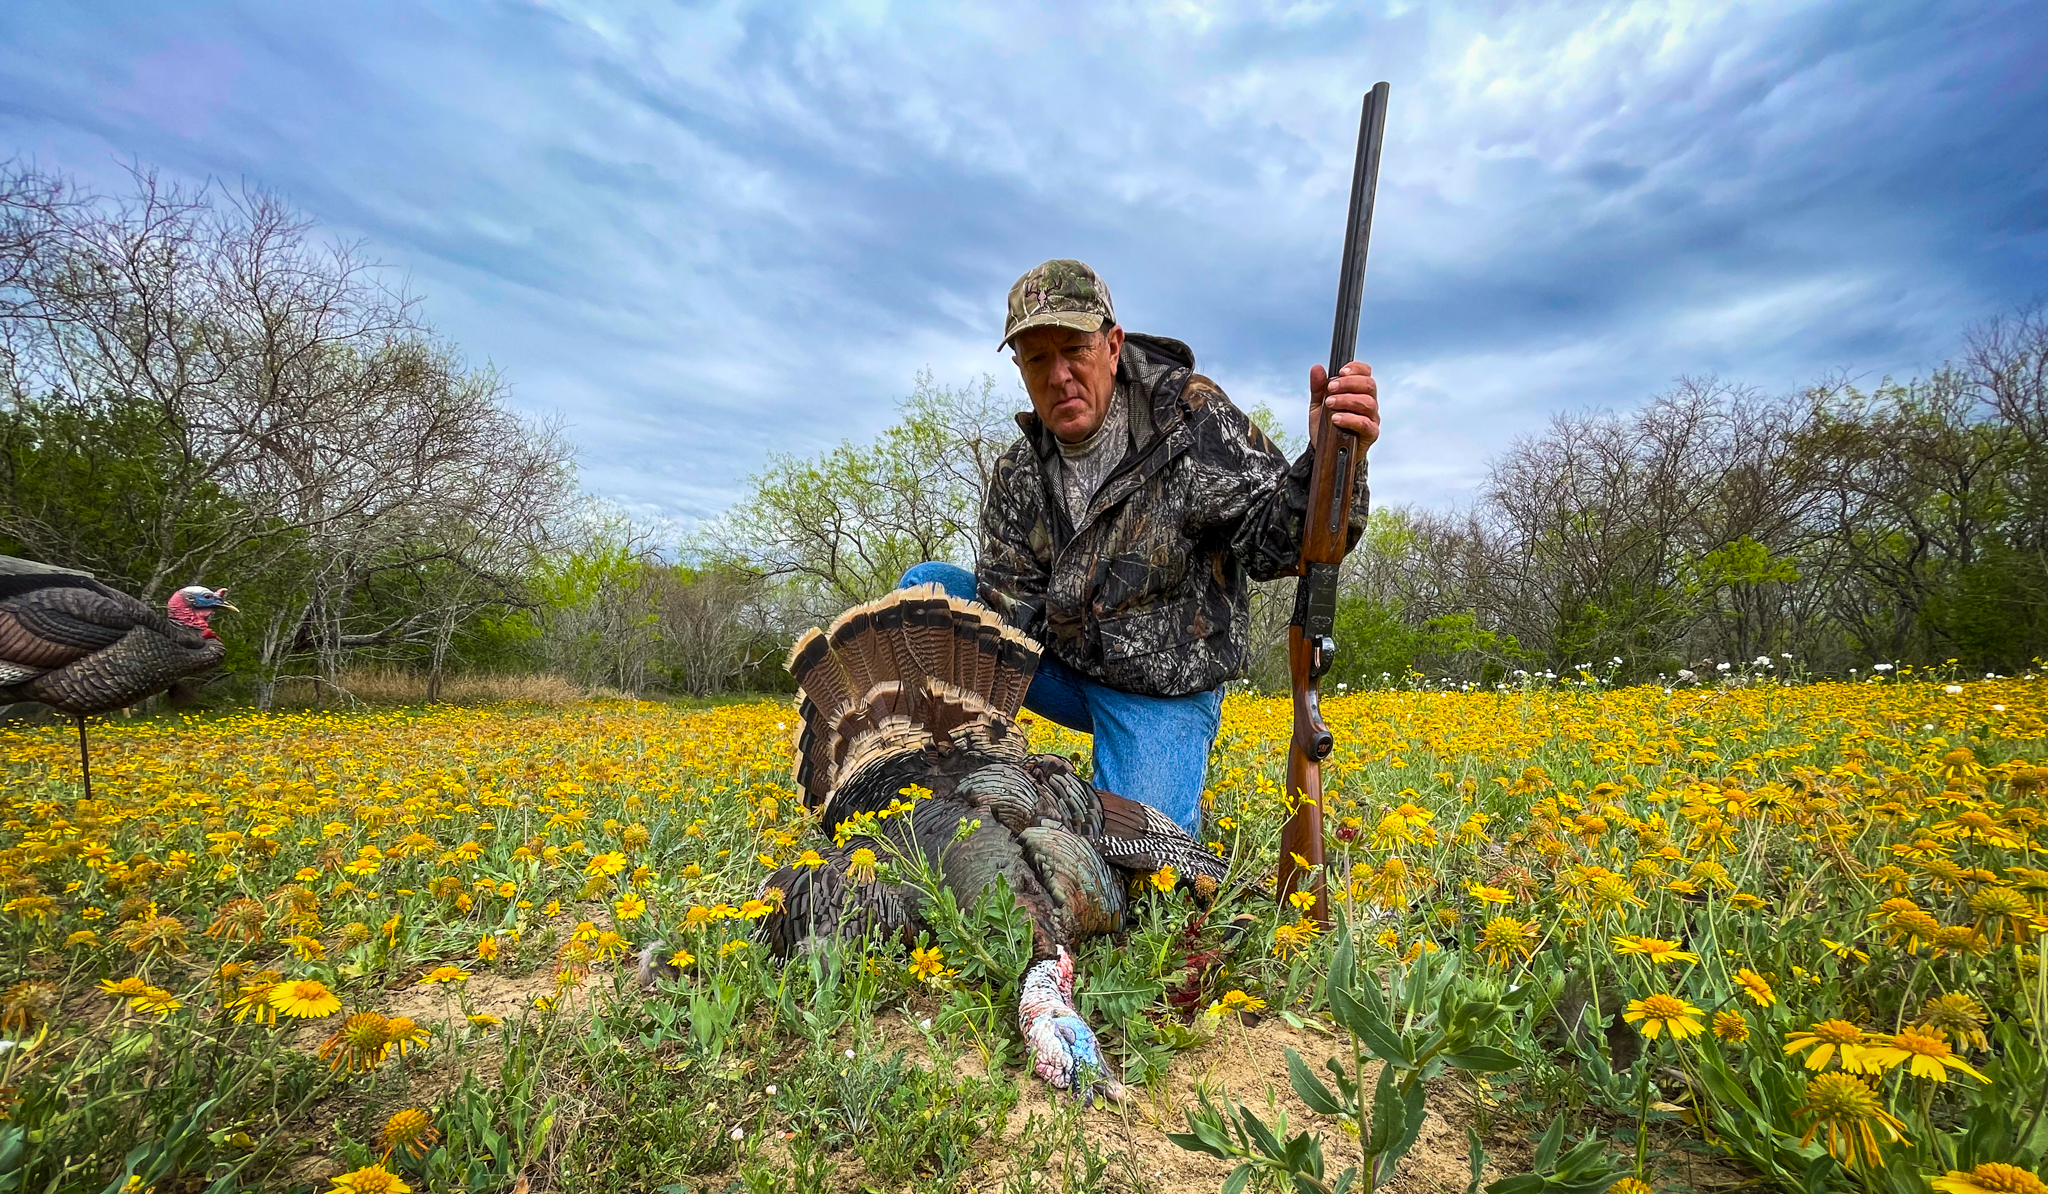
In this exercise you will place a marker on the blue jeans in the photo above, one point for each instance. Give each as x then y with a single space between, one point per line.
1154 749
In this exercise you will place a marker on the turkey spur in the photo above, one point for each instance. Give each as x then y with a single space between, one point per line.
921 689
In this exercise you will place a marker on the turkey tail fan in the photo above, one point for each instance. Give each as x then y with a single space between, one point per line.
886 646
924 636
946 707
988 640
913 670
1016 663
884 739
895 719
910 635
817 673
881 704
850 636
813 755
821 696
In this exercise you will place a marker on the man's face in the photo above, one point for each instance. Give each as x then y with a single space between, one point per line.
1070 376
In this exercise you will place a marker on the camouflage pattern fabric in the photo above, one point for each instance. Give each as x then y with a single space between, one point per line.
1062 293
1150 593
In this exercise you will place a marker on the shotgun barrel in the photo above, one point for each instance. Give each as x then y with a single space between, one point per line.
1325 538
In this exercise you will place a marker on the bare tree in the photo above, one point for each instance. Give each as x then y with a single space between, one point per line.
243 391
847 523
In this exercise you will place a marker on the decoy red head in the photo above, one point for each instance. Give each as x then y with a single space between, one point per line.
194 604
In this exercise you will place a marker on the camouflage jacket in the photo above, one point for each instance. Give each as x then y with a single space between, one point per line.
1150 593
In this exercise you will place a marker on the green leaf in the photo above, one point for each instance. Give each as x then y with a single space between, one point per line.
1475 1152
1311 1088
1483 1059
1238 1179
1258 1133
1194 1143
1546 1149
1343 961
1345 1086
1415 1109
1368 1025
1396 1119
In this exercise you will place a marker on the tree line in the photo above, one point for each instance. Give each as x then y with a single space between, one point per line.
199 389
1824 530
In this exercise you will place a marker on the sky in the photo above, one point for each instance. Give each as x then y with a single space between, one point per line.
700 234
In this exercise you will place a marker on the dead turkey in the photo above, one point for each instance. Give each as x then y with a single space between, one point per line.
919 690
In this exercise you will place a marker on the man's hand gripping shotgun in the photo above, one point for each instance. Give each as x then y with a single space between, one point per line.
1325 537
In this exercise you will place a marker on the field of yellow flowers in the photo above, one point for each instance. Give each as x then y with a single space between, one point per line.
380 950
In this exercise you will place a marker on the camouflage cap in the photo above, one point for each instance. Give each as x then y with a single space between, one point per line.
1063 294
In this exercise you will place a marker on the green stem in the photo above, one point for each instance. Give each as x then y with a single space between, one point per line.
2033 995
1643 1113
1369 1164
1906 1001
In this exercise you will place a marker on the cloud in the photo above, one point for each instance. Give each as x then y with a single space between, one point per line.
706 233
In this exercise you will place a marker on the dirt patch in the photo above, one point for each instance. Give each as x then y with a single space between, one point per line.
485 993
1249 1063
1246 1061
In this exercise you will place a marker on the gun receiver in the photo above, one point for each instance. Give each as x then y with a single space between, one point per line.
1311 635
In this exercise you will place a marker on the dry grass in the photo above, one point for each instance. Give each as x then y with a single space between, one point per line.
388 685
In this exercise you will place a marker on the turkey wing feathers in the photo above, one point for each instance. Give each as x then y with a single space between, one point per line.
823 901
1138 837
140 663
1088 897
84 620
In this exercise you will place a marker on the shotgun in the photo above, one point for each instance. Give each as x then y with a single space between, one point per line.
1325 537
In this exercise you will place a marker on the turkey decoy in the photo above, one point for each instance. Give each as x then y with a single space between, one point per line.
919 692
80 647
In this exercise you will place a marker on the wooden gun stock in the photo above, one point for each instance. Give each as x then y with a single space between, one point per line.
1311 634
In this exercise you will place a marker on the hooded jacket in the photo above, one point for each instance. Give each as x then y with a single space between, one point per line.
1150 593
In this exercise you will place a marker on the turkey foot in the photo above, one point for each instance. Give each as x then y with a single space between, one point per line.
1061 1046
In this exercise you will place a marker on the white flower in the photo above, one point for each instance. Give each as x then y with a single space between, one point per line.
1927 727
1723 666
1764 661
1998 708
1880 667
771 1089
1687 674
1953 690
739 1134
925 1025
849 1055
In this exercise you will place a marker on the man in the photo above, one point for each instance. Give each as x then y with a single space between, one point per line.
1122 530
